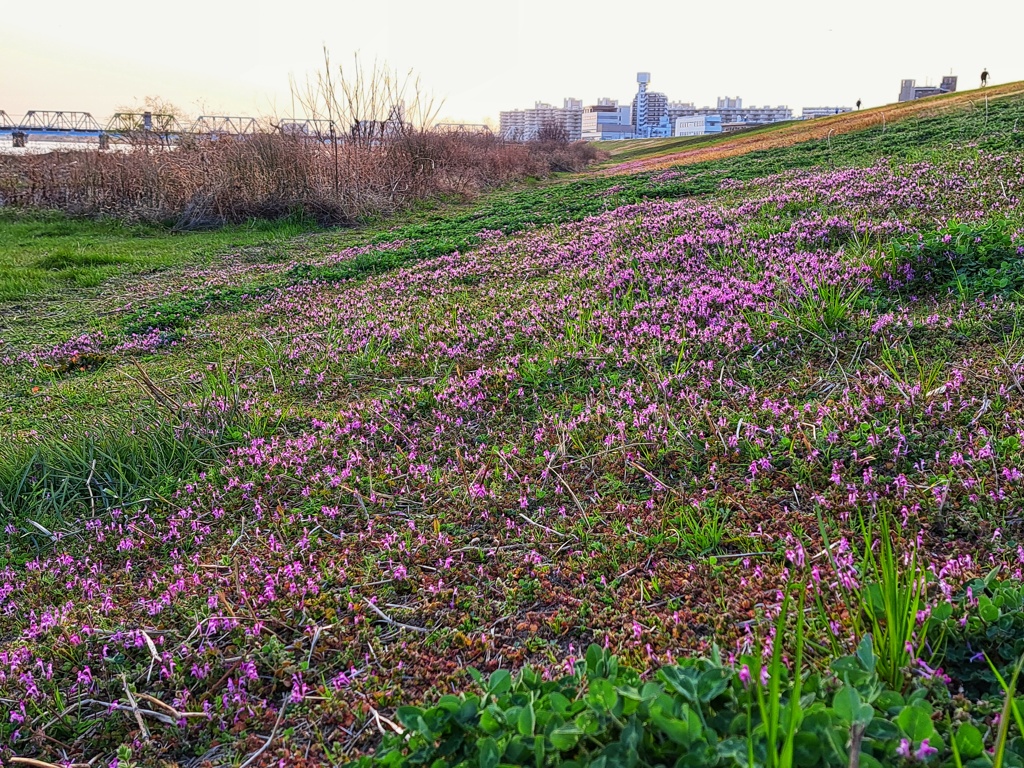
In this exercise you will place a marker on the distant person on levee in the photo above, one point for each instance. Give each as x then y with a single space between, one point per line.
858 103
984 77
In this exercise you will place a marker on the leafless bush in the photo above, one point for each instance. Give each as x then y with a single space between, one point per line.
379 156
553 132
206 182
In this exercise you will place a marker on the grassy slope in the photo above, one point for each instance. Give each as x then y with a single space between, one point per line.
652 154
228 348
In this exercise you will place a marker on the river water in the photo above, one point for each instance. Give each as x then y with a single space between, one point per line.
40 146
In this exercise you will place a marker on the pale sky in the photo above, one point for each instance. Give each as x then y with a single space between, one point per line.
480 56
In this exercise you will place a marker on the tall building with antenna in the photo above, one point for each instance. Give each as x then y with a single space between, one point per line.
650 111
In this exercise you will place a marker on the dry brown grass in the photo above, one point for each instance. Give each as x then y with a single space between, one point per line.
794 133
204 182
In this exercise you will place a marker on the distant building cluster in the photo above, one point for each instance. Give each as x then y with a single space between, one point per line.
649 115
809 113
544 121
909 90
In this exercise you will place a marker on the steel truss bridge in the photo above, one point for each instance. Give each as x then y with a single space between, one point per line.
309 129
130 127
124 125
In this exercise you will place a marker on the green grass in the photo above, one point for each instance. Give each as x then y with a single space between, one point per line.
623 151
47 253
637 149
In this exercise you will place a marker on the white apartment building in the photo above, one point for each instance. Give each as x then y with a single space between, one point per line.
733 111
526 124
607 121
697 125
809 113
677 109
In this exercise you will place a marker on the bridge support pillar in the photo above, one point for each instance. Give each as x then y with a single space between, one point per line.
104 141
19 138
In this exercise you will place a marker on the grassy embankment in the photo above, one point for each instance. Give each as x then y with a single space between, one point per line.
650 154
621 424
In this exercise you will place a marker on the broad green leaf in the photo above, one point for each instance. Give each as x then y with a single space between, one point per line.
676 730
847 703
889 700
450 703
882 730
683 681
527 720
865 715
632 734
489 721
848 666
807 749
408 716
490 755
558 702
605 693
712 683
916 722
989 613
866 653
942 612
650 691
500 682
565 737
969 741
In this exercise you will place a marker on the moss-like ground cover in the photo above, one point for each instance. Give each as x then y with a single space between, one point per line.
256 503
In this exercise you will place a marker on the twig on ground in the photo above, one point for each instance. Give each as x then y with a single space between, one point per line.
379 718
391 621
571 492
544 527
43 530
43 764
273 733
161 397
135 709
88 487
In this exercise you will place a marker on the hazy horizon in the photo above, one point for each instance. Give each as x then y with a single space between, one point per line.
480 59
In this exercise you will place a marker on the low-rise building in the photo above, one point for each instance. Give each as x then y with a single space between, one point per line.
809 113
606 121
697 125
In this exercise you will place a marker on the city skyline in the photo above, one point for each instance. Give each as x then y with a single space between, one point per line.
480 60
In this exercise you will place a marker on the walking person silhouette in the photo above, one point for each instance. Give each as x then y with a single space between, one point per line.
984 77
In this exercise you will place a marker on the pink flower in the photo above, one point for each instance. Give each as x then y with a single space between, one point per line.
745 676
925 751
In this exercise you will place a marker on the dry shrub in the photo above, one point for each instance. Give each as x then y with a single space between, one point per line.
206 182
